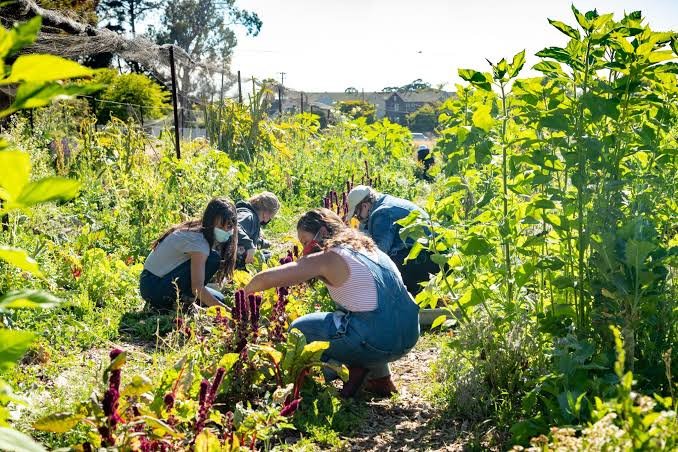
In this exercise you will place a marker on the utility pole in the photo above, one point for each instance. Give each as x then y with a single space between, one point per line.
280 91
302 102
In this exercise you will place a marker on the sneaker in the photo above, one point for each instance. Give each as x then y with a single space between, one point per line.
356 377
382 387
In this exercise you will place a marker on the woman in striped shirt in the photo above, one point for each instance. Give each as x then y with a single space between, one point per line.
376 321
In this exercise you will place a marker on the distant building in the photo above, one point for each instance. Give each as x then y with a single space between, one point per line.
399 104
394 106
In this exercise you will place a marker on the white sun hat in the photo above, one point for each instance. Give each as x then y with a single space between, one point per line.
355 196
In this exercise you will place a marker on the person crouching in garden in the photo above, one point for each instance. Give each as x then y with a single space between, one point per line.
378 214
187 256
253 214
376 321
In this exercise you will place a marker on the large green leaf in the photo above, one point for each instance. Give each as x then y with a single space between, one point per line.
517 64
139 385
637 252
45 68
40 94
556 53
549 67
482 118
58 422
48 189
27 299
569 31
600 106
14 441
24 34
19 258
478 79
13 345
15 171
207 441
313 351
476 246
228 360
472 297
296 341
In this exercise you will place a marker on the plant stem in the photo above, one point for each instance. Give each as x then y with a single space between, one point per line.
504 171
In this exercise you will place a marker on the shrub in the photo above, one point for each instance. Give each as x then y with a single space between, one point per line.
358 109
423 120
135 89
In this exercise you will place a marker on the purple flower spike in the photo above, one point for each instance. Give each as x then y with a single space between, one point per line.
169 400
290 408
218 379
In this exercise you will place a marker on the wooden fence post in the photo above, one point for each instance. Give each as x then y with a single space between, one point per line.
174 103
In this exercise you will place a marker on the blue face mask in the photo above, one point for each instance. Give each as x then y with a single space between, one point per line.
222 236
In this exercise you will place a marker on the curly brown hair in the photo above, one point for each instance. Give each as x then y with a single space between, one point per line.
339 233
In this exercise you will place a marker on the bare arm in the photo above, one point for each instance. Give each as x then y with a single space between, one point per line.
325 265
198 289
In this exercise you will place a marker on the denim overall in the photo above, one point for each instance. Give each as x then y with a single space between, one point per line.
369 339
161 292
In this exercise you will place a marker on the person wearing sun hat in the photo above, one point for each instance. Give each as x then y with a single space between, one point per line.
378 214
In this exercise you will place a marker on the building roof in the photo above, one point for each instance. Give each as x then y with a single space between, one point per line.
423 96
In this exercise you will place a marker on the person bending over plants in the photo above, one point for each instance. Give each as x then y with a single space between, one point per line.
378 214
187 256
254 213
376 321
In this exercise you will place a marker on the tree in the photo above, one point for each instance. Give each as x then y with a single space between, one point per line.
129 95
358 109
202 28
124 15
416 85
425 119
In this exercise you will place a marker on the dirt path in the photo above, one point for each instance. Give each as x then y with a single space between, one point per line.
409 422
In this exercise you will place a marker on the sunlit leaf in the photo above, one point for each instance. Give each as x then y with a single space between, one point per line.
19 258
438 321
58 423
207 441
482 118
569 31
517 64
27 299
48 189
13 345
478 79
45 68
15 171
14 441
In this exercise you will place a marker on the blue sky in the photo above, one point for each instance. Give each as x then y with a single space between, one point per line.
325 45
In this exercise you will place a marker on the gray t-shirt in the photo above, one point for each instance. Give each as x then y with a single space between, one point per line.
174 250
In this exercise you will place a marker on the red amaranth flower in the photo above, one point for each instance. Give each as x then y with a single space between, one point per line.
290 408
254 304
77 272
295 252
114 380
203 406
218 379
115 353
169 400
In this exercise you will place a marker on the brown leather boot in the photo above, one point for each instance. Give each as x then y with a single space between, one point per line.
382 387
356 377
